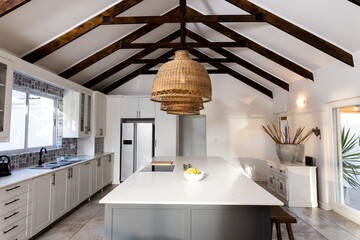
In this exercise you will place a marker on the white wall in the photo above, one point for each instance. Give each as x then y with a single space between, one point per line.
333 83
233 119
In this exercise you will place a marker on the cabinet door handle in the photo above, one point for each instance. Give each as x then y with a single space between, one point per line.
9 189
15 200
71 170
280 170
11 215
5 232
139 114
69 176
101 132
53 183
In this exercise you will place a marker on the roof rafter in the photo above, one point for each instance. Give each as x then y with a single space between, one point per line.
200 60
210 71
357 2
128 62
257 47
112 47
296 31
242 62
78 31
234 74
188 19
9 6
135 73
129 45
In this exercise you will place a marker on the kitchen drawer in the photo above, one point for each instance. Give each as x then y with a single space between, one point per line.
14 216
14 190
282 187
10 231
13 203
271 181
281 171
24 235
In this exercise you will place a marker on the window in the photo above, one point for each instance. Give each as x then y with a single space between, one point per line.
33 121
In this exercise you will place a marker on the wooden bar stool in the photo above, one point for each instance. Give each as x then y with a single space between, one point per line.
280 216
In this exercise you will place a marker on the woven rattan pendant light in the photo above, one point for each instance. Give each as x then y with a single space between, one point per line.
182 85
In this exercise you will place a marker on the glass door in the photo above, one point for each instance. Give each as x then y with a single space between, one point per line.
347 153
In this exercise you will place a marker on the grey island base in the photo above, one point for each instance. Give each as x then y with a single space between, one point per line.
185 222
224 205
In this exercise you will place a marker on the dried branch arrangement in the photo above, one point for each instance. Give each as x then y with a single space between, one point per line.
278 137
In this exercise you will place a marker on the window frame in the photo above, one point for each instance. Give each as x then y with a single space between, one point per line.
25 148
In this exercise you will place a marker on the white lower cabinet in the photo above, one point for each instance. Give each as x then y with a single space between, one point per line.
85 181
294 184
93 169
59 194
99 174
54 194
73 186
15 210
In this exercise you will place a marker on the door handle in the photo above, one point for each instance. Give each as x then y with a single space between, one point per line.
11 215
9 189
69 176
15 200
53 183
72 170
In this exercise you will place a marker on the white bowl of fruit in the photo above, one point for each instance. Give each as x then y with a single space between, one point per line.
193 174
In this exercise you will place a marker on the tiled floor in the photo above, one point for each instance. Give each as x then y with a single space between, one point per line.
318 224
313 224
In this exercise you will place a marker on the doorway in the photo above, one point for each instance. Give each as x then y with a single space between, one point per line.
346 121
192 135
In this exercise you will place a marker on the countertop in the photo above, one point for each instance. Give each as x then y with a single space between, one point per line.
27 173
288 165
222 185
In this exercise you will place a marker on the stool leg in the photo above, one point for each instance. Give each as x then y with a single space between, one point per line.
278 231
290 232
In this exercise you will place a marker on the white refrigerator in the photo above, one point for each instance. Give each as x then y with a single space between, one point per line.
137 147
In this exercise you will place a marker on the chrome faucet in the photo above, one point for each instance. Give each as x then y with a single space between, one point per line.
41 152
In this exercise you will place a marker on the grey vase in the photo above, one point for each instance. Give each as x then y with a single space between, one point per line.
290 153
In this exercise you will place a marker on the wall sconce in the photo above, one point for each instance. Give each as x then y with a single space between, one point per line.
301 102
317 132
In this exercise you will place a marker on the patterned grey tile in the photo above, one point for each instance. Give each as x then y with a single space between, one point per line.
335 233
61 231
82 215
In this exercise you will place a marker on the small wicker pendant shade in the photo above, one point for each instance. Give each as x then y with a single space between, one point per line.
181 85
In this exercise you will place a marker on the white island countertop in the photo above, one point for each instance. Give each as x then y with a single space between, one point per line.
222 185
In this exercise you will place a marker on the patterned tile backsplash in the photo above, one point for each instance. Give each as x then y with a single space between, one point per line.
24 160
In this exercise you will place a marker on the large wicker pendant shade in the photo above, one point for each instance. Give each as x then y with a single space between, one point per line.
181 85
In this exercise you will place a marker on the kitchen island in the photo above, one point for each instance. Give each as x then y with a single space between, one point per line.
225 204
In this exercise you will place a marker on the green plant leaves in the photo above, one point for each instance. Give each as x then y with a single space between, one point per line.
350 158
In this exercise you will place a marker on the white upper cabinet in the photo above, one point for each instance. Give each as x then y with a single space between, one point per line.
100 114
77 118
6 82
137 107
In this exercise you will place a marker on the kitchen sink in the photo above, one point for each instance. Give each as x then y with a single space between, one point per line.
53 165
46 166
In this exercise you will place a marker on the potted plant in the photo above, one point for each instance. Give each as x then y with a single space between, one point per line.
288 150
350 158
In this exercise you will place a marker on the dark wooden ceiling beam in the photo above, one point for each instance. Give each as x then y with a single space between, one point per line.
107 20
113 47
357 2
242 62
135 73
8 6
235 74
118 67
78 31
127 45
200 60
296 31
182 4
257 48
210 71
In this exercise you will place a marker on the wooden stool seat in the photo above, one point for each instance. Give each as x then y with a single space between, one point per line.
280 216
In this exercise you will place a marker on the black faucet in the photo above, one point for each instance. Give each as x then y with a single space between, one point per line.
40 159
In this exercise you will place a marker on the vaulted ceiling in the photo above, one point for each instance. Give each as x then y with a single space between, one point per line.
104 44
